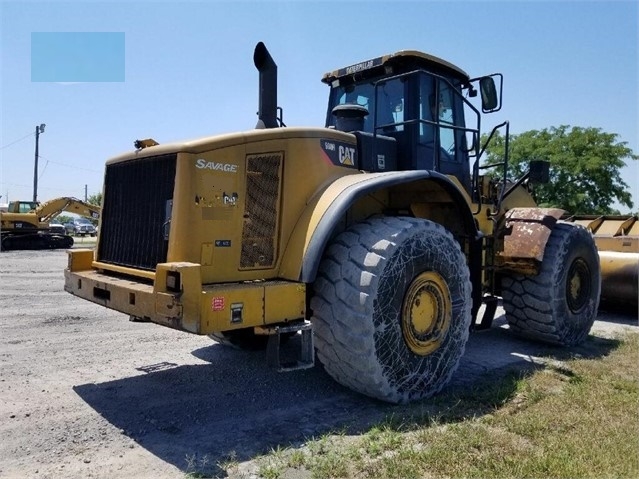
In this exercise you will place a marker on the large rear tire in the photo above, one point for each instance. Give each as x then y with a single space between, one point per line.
559 305
392 308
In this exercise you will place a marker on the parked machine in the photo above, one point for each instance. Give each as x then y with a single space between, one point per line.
27 224
377 236
617 240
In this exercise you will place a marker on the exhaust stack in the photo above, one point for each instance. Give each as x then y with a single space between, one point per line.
267 113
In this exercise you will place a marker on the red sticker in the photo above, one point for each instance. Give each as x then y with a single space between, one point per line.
217 304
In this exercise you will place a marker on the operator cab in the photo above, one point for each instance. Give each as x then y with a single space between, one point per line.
412 100
22 206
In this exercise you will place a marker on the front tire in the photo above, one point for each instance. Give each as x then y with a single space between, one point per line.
560 303
392 308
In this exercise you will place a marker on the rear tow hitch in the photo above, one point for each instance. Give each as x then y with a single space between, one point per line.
286 360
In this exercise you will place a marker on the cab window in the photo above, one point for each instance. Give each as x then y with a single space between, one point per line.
389 100
437 115
446 119
25 207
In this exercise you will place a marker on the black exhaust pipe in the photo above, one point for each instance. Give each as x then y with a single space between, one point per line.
267 113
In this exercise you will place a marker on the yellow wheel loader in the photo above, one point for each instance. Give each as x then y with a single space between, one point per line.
375 238
26 224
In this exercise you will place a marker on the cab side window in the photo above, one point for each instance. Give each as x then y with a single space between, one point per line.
437 112
390 104
446 119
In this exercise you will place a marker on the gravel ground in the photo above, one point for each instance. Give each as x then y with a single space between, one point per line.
84 393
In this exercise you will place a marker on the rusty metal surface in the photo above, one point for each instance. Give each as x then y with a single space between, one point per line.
534 214
526 232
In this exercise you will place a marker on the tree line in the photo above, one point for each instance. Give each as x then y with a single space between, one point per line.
585 167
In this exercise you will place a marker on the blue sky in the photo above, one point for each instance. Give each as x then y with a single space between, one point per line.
78 56
189 71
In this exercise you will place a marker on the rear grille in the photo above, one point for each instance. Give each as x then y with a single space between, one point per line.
134 211
263 174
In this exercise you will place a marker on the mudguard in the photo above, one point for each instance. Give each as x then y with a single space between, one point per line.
526 232
335 200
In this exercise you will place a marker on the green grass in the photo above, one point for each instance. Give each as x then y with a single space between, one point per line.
574 418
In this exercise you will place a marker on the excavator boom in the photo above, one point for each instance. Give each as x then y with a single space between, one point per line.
50 209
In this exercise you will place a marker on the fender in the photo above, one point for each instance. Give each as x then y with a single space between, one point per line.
526 232
329 207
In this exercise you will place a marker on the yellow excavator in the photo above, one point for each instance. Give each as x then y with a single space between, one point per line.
27 224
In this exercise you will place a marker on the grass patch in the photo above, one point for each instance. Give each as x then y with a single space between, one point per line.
573 418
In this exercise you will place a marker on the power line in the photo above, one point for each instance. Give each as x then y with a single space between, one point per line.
69 166
56 188
16 141
43 169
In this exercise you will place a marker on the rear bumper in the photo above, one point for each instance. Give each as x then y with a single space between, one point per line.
192 307
139 298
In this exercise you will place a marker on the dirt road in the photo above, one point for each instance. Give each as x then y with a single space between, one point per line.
86 393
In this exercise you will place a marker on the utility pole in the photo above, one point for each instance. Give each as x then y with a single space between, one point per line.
85 194
38 129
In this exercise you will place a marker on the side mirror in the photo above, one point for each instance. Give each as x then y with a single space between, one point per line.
490 91
539 171
489 99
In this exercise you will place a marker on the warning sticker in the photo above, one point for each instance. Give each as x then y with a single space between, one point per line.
217 304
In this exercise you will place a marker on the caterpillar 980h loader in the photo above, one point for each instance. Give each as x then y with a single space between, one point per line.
26 224
376 236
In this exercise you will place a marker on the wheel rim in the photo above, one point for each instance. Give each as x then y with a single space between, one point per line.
578 285
426 313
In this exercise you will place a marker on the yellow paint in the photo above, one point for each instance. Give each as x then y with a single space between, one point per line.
262 303
80 259
426 313
197 308
206 258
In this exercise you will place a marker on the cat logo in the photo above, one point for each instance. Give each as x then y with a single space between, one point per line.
346 155
339 153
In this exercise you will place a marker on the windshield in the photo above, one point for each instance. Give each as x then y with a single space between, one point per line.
389 98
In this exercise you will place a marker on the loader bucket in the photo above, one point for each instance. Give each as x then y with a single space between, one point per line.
617 240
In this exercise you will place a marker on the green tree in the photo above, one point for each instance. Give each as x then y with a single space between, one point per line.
585 164
95 199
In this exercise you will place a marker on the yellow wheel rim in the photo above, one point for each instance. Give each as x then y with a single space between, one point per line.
578 285
426 313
